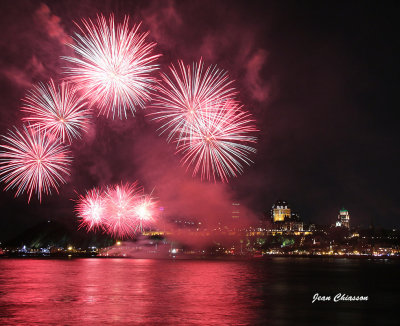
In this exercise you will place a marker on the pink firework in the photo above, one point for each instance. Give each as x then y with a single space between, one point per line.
113 65
145 210
219 143
91 209
56 110
183 98
120 211
31 161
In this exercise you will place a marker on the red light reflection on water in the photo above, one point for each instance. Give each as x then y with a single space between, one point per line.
125 291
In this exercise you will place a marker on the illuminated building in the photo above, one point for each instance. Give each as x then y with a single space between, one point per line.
343 219
294 223
284 219
235 211
280 211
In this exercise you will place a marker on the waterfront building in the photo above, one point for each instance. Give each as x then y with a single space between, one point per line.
280 211
343 219
284 219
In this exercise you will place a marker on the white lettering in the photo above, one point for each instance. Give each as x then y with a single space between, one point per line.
344 297
339 297
318 297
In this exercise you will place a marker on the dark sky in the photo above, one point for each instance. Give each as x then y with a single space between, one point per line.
320 78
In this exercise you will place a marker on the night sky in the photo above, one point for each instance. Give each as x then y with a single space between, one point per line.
320 78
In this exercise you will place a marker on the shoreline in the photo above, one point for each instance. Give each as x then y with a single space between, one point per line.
193 257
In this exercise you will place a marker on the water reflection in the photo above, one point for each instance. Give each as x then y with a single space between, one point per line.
165 292
123 291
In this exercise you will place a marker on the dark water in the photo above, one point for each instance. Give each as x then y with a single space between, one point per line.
163 292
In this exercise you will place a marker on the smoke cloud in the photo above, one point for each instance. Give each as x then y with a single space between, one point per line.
258 87
163 21
51 24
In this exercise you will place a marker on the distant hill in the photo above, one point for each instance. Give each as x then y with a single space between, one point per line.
53 233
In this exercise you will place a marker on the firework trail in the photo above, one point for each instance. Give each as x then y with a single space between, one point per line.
184 96
31 161
90 209
56 110
120 209
113 65
219 144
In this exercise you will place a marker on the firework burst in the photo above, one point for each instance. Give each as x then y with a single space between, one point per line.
113 65
120 202
183 97
219 143
31 161
121 211
199 112
56 110
145 211
90 209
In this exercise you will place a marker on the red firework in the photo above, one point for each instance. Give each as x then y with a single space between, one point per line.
219 143
183 98
120 209
91 209
145 211
56 110
31 161
113 65
199 112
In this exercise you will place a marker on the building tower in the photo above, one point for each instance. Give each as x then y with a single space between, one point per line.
343 219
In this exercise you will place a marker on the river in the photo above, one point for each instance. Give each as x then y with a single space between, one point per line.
276 291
